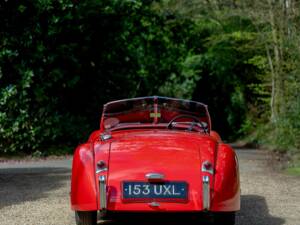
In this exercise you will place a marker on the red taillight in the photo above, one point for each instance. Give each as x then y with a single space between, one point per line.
100 164
207 167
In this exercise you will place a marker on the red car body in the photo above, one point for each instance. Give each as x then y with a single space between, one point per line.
138 139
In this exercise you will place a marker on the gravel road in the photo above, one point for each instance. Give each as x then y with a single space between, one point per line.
37 193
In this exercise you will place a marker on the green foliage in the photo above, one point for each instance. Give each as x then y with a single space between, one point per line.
226 73
184 84
295 171
61 60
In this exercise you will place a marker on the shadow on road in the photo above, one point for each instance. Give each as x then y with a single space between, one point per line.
254 211
161 219
29 184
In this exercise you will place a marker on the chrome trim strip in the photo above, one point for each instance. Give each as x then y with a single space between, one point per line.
102 191
154 176
152 97
206 192
154 204
101 170
105 137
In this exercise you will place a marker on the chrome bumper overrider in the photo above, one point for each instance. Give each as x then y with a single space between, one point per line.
205 188
102 190
206 192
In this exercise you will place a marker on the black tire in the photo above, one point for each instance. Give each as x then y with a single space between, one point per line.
224 218
86 217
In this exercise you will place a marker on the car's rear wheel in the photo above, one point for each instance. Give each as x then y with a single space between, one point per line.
86 217
224 218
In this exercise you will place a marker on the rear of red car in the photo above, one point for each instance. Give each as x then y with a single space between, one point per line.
157 168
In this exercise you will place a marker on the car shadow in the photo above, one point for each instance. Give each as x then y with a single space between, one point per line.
254 211
18 185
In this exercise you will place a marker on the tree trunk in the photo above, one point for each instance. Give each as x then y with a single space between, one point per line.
275 96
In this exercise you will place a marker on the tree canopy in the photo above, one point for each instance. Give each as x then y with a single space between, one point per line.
61 60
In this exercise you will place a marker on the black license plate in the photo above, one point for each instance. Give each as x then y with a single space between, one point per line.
165 190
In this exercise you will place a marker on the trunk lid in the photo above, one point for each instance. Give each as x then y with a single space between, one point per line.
176 155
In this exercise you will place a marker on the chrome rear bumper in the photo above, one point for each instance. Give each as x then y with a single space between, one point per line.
102 190
206 192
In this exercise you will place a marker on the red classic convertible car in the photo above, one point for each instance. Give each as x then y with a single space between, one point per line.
155 155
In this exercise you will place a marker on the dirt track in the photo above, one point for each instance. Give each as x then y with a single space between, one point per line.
37 193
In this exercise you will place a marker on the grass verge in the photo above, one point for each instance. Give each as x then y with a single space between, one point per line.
294 171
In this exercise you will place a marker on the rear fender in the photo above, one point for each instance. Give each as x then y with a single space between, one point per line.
216 136
83 186
226 194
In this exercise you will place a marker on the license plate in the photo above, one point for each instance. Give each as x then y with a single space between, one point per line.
163 191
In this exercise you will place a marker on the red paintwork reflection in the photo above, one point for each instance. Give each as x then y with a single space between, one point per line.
226 196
